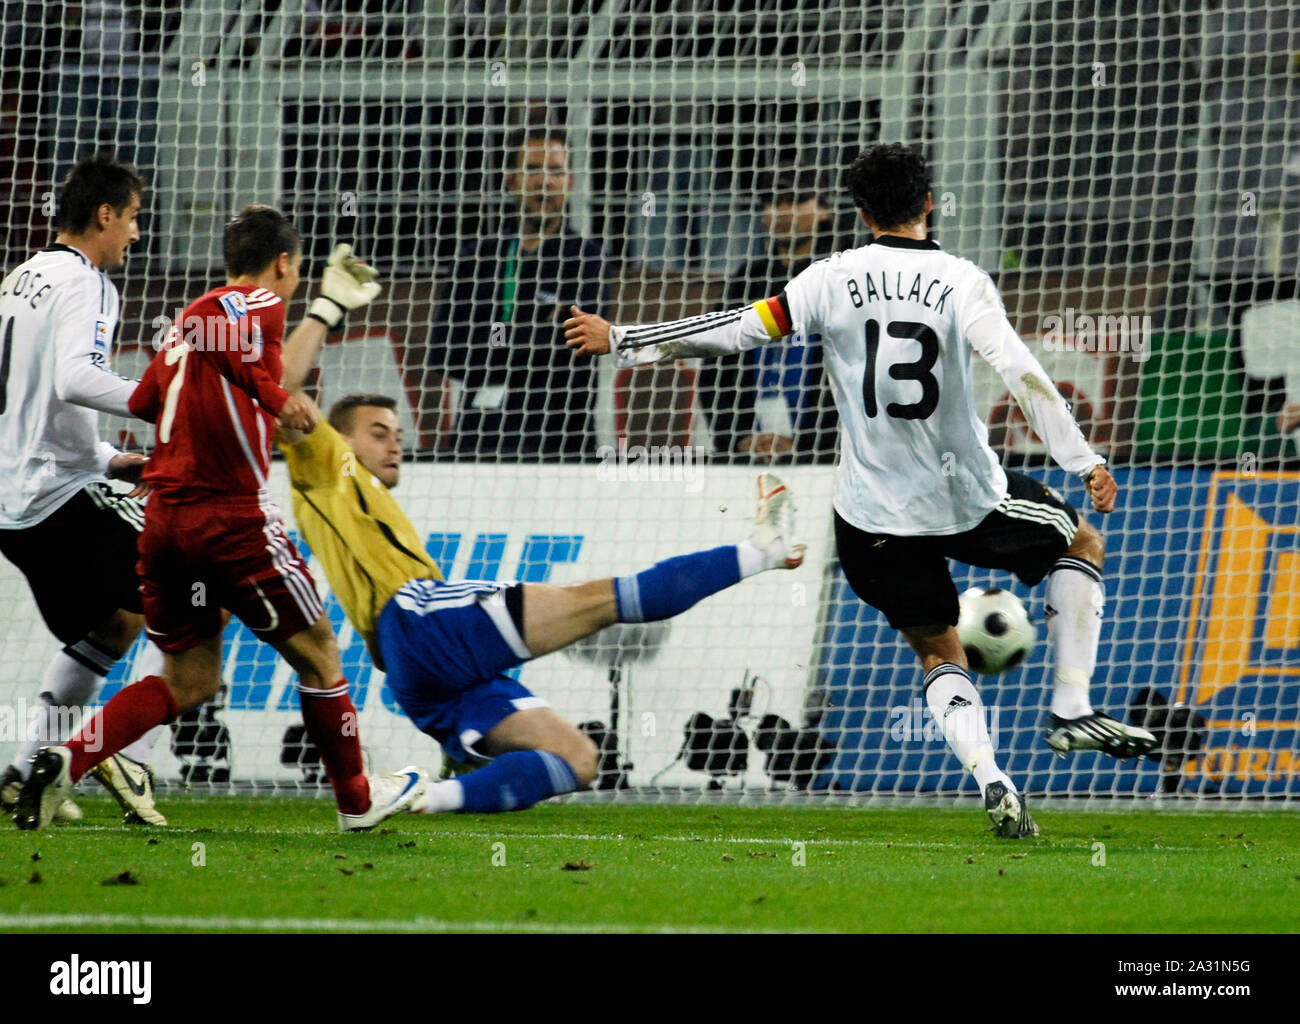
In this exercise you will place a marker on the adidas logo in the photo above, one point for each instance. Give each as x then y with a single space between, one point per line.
956 704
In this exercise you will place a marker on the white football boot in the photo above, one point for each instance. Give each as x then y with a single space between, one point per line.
130 783
389 795
11 785
773 531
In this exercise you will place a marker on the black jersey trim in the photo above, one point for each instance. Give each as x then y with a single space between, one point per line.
60 247
384 528
898 242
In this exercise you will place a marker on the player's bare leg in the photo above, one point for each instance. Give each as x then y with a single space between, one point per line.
543 729
555 617
1075 605
535 754
331 722
956 707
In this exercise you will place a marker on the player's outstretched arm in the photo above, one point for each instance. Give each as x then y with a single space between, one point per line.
721 333
298 416
712 334
347 284
300 351
993 337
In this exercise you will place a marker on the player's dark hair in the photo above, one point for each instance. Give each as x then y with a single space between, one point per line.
343 412
93 182
520 137
256 237
889 183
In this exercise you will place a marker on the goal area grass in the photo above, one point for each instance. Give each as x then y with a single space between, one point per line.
276 864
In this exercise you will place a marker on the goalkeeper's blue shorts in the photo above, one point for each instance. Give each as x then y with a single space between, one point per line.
446 649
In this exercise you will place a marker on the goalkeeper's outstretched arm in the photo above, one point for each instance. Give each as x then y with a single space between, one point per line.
347 284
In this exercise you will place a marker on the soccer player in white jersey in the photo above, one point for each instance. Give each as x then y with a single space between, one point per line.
917 481
60 522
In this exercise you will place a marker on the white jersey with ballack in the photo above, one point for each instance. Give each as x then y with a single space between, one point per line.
58 317
898 319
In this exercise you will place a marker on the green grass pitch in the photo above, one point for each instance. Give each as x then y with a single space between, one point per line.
277 864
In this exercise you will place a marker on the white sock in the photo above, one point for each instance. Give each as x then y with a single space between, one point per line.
142 749
447 795
957 708
754 559
751 557
149 662
1075 602
69 683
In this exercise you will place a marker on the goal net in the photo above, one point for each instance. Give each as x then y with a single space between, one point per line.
1129 173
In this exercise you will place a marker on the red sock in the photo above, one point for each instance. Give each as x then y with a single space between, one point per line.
331 721
132 712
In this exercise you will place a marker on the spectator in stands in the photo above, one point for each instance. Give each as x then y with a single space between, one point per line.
499 334
773 403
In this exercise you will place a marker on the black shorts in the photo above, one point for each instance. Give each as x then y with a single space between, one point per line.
907 578
80 560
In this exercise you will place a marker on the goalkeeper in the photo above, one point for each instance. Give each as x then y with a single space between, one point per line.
447 646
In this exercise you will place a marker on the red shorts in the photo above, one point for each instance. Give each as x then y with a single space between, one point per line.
196 559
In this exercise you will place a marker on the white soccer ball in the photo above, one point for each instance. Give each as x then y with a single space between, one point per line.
994 629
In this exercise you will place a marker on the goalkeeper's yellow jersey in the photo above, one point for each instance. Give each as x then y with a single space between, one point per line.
351 522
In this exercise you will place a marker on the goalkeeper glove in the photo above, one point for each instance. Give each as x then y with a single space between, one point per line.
348 283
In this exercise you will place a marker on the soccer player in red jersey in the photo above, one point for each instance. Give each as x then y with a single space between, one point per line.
213 538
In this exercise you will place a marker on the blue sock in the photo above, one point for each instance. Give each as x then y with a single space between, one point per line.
515 781
669 587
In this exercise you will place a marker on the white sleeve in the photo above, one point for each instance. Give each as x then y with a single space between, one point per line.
104 454
991 335
712 334
721 333
83 334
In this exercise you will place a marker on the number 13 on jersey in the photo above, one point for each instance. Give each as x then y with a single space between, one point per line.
917 370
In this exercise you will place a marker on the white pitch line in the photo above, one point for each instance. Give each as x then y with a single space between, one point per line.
437 833
582 837
45 922
733 840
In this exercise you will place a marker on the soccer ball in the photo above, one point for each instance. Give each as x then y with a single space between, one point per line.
994 630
